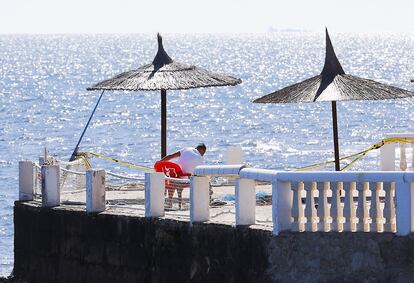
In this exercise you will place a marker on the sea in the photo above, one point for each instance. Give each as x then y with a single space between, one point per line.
44 102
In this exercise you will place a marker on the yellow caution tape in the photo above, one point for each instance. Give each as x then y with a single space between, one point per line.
128 164
359 155
85 161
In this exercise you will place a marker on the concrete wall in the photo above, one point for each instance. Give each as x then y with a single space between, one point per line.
62 245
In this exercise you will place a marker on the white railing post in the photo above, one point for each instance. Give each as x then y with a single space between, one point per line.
282 201
336 207
95 190
375 210
199 199
310 209
349 206
388 157
403 157
50 185
154 194
323 207
26 180
362 212
245 202
404 209
389 207
297 211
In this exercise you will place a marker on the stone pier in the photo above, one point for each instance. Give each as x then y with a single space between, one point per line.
66 244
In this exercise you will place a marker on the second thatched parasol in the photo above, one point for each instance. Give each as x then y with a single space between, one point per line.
334 85
162 74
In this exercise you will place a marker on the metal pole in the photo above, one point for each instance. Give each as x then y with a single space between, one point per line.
163 123
335 136
75 152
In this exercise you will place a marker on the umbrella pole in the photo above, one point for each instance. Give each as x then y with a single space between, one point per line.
163 123
75 152
335 136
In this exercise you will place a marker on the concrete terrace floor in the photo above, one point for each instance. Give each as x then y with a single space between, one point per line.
128 199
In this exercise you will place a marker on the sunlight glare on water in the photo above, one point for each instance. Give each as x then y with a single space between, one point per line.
43 101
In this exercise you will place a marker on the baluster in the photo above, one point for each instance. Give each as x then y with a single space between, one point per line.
389 208
360 207
392 205
302 219
366 210
380 209
297 203
336 208
375 207
362 211
403 157
323 207
349 207
310 210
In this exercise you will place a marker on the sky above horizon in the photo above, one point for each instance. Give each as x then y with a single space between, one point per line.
213 16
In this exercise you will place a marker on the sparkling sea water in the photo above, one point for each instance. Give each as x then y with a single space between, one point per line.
43 101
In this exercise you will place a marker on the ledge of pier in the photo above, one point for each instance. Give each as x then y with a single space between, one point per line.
66 244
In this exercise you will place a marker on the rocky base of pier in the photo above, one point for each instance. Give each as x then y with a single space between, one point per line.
66 244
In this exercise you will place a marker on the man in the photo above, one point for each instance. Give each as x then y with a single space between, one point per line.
188 158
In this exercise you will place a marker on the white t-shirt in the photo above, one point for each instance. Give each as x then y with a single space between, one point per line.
189 159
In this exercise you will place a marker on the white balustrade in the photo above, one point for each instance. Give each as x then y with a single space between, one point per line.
26 180
404 198
364 214
50 185
282 198
324 217
301 201
337 223
218 170
297 208
199 199
246 193
200 191
154 194
349 206
245 202
388 157
95 191
389 208
375 210
327 201
310 209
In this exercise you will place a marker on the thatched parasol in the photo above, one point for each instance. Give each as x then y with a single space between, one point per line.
334 85
162 74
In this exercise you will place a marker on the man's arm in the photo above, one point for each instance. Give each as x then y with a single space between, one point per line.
171 156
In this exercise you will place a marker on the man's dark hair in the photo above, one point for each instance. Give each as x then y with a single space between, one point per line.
201 146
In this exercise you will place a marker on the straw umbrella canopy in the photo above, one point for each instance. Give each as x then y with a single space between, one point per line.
163 74
334 85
